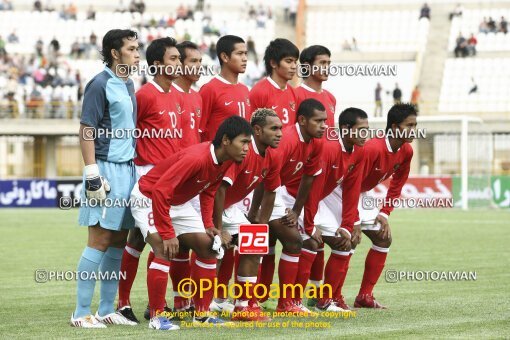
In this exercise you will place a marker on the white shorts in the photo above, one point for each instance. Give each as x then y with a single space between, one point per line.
195 203
142 170
329 215
185 219
245 204
282 201
232 218
367 216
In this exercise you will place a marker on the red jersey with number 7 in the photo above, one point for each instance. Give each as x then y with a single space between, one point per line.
221 100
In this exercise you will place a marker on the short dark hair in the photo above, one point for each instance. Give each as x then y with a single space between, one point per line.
350 115
308 106
309 54
232 127
277 50
226 44
183 46
113 39
258 117
398 113
157 49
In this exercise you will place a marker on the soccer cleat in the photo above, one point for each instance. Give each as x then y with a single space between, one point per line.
220 307
127 312
147 313
328 306
162 323
312 302
302 307
88 321
115 318
290 309
340 302
367 301
249 313
211 321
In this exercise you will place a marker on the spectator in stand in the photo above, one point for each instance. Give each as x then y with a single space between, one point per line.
474 86
182 13
415 97
13 38
252 13
91 13
293 12
207 12
503 25
6 5
472 44
354 45
484 26
39 47
457 12
378 102
492 25
397 94
37 6
121 7
252 53
72 11
425 11
461 46
12 108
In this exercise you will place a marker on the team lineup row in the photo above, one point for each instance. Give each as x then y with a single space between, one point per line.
241 157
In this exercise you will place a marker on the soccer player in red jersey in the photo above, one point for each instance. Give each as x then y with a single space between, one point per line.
331 209
384 157
169 223
224 96
274 92
299 162
237 183
159 110
191 60
314 63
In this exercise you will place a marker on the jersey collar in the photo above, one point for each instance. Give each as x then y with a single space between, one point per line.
223 80
342 144
158 87
299 133
254 145
178 88
272 82
308 88
213 155
388 145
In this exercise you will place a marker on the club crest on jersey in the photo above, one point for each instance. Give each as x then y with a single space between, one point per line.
264 173
292 106
247 100
178 108
332 108
396 166
219 176
198 113
351 167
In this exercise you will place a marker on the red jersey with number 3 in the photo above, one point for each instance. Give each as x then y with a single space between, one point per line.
339 167
159 123
178 179
221 100
295 158
325 97
267 94
381 163
191 114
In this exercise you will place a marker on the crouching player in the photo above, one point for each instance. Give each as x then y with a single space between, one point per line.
169 220
237 183
384 157
298 156
331 209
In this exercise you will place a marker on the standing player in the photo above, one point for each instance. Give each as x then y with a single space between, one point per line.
109 104
159 120
274 92
384 157
298 159
191 61
224 96
237 183
170 222
332 205
314 65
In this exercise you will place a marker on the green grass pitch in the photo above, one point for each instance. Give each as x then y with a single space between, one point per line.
442 240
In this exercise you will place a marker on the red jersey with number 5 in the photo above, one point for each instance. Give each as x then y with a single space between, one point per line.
191 114
159 123
221 100
268 94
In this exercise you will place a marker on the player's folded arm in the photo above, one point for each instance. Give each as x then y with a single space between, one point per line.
398 180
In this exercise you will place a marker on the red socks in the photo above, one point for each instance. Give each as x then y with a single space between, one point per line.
129 266
266 273
203 269
336 265
338 293
225 272
180 270
317 271
306 261
157 280
287 273
374 264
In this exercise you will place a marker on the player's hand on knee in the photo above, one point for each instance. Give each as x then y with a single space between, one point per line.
226 238
212 231
170 248
317 235
290 219
384 232
96 186
343 239
356 235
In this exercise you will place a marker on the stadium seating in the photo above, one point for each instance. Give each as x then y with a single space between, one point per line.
469 22
374 31
492 77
